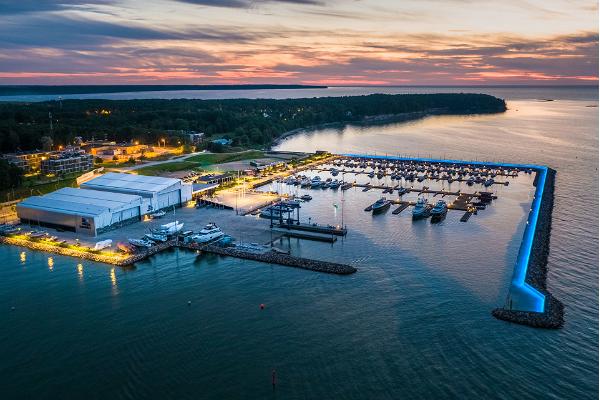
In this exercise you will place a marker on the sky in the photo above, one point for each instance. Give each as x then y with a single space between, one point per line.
330 42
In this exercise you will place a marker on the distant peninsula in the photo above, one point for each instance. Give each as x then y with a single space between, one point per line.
27 90
245 123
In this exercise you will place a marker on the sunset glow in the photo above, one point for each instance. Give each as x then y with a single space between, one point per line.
337 42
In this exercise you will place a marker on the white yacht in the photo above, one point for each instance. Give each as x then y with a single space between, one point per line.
156 237
335 184
208 234
315 182
140 243
438 212
305 182
170 229
158 214
421 209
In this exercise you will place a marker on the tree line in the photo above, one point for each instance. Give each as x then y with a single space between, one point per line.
248 122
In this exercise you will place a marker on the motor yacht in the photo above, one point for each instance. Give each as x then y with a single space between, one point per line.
335 184
315 182
170 229
438 212
140 243
209 233
381 205
421 209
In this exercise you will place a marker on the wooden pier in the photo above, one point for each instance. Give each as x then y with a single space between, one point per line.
402 207
466 216
330 230
318 237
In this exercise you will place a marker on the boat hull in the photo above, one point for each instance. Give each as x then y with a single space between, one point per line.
381 208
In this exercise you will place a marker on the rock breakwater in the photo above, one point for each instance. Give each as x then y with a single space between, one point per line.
553 315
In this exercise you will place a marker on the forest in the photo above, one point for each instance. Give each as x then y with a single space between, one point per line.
248 122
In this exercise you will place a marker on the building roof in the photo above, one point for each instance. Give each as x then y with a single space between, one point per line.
113 181
112 201
64 207
82 201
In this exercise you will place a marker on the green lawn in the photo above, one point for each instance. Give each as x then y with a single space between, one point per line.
166 167
200 160
220 158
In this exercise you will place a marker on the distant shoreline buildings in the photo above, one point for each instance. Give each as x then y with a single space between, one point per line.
72 159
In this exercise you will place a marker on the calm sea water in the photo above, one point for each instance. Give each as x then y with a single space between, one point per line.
413 323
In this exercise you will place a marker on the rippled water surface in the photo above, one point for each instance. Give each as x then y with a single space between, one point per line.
413 323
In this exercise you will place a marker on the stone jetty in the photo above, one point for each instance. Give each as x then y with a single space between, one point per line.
553 315
275 257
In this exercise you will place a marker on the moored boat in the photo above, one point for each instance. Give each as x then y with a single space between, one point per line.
421 209
140 243
315 182
381 205
156 237
158 214
335 184
439 211
209 233
170 229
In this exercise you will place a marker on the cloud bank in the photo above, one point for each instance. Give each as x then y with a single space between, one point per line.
285 41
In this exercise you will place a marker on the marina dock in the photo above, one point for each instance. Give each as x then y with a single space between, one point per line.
330 230
257 230
318 237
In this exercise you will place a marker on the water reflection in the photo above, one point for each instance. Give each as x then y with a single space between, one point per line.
113 281
80 271
23 257
50 263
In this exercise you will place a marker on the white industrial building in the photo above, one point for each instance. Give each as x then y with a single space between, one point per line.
78 210
157 193
106 201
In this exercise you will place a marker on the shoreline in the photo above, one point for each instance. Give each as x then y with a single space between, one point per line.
128 261
371 120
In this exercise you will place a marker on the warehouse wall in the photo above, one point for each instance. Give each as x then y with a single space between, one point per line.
51 219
